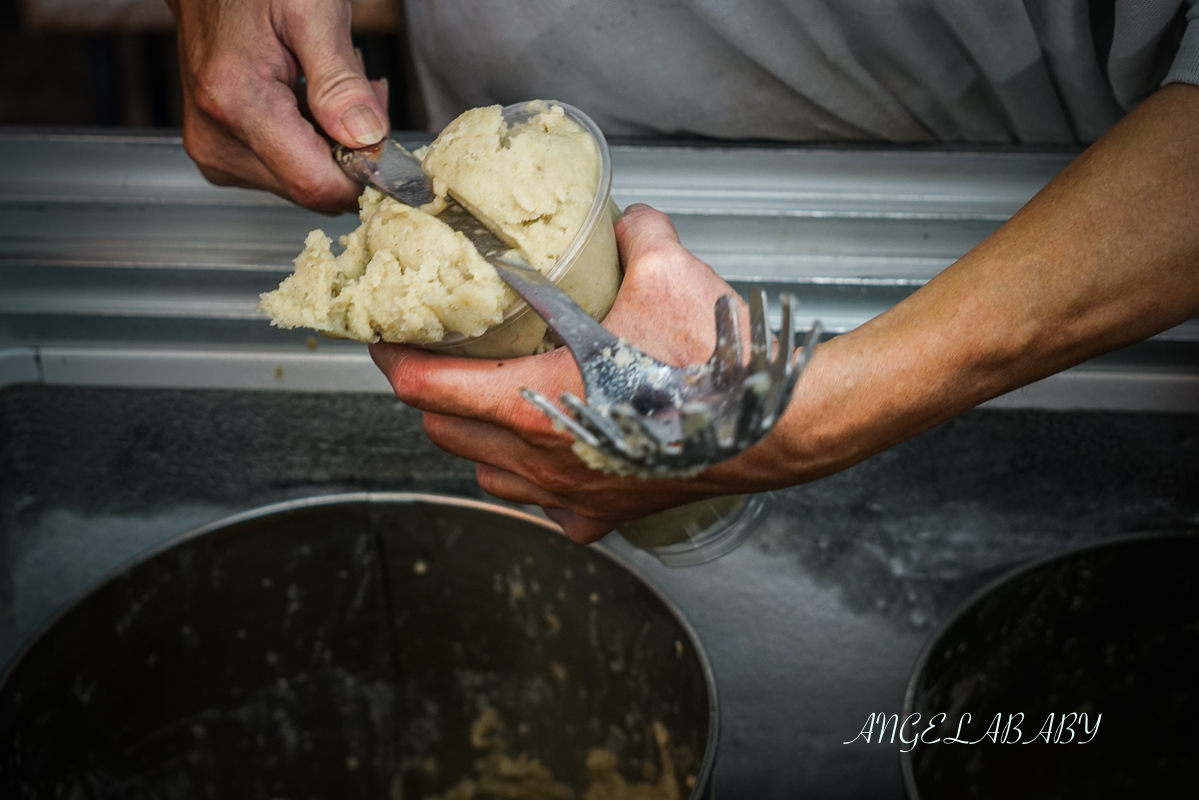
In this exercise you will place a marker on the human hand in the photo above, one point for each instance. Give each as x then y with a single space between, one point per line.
473 407
242 64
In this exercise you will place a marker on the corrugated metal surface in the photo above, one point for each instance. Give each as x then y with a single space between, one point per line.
117 257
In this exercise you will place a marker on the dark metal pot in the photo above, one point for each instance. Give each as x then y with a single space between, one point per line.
341 647
1111 629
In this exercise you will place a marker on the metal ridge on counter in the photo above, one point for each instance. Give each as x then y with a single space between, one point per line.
121 266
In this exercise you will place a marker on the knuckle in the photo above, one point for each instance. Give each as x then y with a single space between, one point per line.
217 177
339 86
658 252
542 434
408 380
216 89
311 192
554 480
198 145
642 211
510 411
533 427
337 10
435 429
195 140
436 426
440 431
639 213
489 480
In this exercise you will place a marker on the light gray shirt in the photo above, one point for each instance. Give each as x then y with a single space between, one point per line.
978 71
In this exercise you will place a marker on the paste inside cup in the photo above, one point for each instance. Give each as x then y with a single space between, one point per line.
405 276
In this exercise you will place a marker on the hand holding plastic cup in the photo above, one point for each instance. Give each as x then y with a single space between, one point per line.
589 271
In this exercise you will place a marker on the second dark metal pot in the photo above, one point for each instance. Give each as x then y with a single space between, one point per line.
1110 629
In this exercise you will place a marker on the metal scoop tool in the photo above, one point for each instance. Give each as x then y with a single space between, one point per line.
651 418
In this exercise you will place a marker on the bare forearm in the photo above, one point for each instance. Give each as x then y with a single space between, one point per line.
1106 255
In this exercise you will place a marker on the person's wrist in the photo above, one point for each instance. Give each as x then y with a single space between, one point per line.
822 429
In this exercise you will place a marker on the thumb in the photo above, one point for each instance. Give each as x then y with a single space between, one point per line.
644 232
339 95
666 299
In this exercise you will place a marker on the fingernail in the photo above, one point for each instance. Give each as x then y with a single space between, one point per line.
635 207
363 125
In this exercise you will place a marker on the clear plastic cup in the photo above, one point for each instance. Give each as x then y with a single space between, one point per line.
699 532
589 271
